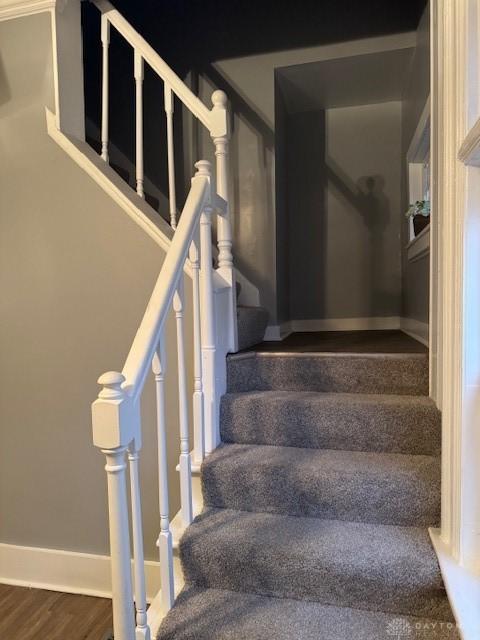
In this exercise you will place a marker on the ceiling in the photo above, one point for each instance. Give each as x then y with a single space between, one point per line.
344 82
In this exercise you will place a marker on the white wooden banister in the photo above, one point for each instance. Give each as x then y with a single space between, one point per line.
138 72
105 37
143 348
151 57
117 428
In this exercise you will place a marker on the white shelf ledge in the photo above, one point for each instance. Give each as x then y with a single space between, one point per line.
419 246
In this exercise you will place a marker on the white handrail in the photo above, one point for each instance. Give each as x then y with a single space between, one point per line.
149 54
116 415
143 348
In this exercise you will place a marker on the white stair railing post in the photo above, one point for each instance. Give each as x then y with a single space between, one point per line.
113 427
165 546
138 72
220 137
105 37
142 631
212 435
185 463
198 403
168 99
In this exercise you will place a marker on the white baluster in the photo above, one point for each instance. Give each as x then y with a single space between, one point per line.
105 36
185 460
138 70
171 156
198 409
212 436
113 428
142 631
165 537
220 137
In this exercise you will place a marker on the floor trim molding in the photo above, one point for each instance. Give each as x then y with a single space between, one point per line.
463 589
416 329
67 571
281 331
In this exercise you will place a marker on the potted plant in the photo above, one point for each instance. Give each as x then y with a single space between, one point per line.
420 212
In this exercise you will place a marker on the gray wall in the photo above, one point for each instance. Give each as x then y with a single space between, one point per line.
344 212
415 290
75 274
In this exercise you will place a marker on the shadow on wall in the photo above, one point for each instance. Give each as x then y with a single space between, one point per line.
251 150
5 92
367 197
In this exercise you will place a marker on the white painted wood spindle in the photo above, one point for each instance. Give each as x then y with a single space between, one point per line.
105 36
138 71
212 436
168 94
112 433
198 408
185 462
165 538
220 137
142 631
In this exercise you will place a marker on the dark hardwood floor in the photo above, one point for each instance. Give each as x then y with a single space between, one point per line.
345 342
35 614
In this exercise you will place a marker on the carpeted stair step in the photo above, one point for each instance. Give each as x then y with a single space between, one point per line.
401 374
363 566
213 614
384 488
352 421
251 325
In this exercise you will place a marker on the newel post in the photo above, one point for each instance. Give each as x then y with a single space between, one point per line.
207 321
220 135
113 429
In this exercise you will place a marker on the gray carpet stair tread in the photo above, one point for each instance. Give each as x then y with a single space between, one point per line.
384 488
353 421
364 566
212 614
402 374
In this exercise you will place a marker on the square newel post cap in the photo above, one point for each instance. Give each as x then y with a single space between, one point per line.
219 115
114 417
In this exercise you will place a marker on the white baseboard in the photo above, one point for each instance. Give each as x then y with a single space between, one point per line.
279 332
463 589
67 571
416 329
276 332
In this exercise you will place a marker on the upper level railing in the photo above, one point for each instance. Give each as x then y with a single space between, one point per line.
117 429
215 120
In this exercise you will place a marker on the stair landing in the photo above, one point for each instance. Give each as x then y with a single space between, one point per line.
378 341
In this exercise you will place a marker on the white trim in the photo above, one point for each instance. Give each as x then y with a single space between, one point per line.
280 332
416 329
463 589
80 573
10 9
277 332
419 246
469 152
420 143
67 571
346 324
113 185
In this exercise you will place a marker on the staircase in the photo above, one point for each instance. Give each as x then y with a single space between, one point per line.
317 505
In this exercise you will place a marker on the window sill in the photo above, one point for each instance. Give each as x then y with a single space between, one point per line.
419 247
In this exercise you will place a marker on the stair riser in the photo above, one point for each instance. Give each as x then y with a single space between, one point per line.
403 375
325 488
322 423
251 325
